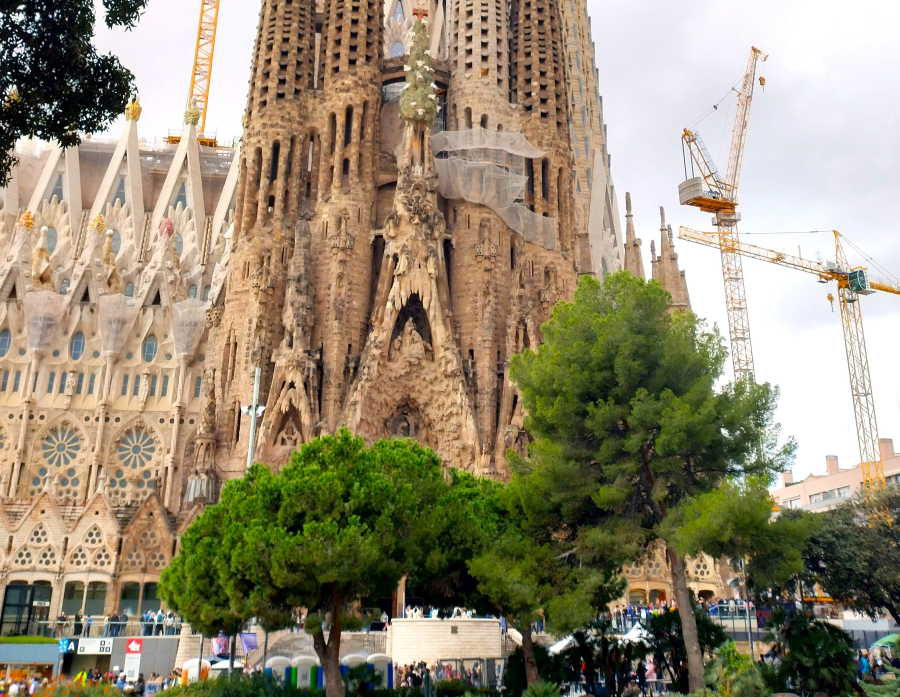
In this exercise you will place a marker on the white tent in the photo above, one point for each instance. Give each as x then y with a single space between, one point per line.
636 634
561 645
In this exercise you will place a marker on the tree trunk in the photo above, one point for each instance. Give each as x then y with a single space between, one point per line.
231 652
688 621
330 654
531 670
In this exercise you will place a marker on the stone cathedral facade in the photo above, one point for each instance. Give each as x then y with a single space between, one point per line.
416 186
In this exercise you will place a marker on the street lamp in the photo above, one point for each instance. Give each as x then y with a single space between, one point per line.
254 411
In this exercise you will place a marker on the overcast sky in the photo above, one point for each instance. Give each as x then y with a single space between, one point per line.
822 154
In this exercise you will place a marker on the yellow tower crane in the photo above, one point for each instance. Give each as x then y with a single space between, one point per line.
203 58
852 283
712 194
198 96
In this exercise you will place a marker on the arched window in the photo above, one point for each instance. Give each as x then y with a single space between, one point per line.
64 287
76 348
52 239
179 244
149 348
398 15
129 290
397 49
192 292
5 342
206 293
116 241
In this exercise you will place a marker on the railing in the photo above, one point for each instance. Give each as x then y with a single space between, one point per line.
101 627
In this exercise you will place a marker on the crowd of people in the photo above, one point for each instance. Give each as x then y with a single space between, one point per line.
624 617
416 674
151 623
37 683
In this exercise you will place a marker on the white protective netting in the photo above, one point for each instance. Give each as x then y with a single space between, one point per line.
188 323
488 167
117 314
43 313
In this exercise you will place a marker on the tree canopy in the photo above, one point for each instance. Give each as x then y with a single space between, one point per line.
630 424
854 556
53 82
337 529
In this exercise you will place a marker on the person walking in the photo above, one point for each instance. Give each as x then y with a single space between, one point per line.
641 672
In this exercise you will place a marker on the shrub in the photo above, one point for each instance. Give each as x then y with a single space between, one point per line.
542 689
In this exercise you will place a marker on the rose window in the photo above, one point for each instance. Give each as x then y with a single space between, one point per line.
102 558
701 569
157 560
61 446
38 536
136 449
79 557
655 568
94 536
23 557
148 538
134 559
47 557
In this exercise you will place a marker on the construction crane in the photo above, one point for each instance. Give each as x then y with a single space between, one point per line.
712 194
198 96
852 283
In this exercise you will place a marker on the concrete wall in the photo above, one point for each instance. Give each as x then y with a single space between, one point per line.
430 640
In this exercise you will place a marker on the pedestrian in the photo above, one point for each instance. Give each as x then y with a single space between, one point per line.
78 625
641 672
140 685
865 668
88 621
160 621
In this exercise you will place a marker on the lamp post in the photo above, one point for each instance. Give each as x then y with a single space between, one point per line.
254 411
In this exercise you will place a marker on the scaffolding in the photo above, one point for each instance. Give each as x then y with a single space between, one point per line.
488 168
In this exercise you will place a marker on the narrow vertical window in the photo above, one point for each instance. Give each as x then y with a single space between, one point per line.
5 381
80 383
124 385
50 382
137 385
153 386
17 380
62 382
91 383
165 386
198 386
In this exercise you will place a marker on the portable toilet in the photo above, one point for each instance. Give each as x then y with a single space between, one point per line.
384 668
280 668
194 670
306 672
351 660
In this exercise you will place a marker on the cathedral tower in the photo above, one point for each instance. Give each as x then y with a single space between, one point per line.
272 196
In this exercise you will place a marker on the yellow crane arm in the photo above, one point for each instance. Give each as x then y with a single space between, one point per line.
852 282
203 58
742 121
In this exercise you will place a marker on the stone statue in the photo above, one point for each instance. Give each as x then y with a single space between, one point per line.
144 389
113 280
208 417
41 275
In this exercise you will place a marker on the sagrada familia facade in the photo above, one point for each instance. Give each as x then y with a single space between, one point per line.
416 186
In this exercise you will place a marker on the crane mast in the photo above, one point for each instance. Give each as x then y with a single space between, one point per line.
203 58
710 193
852 283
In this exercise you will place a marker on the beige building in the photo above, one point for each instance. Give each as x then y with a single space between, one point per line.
820 492
372 270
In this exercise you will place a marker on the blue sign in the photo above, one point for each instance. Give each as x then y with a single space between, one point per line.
68 645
